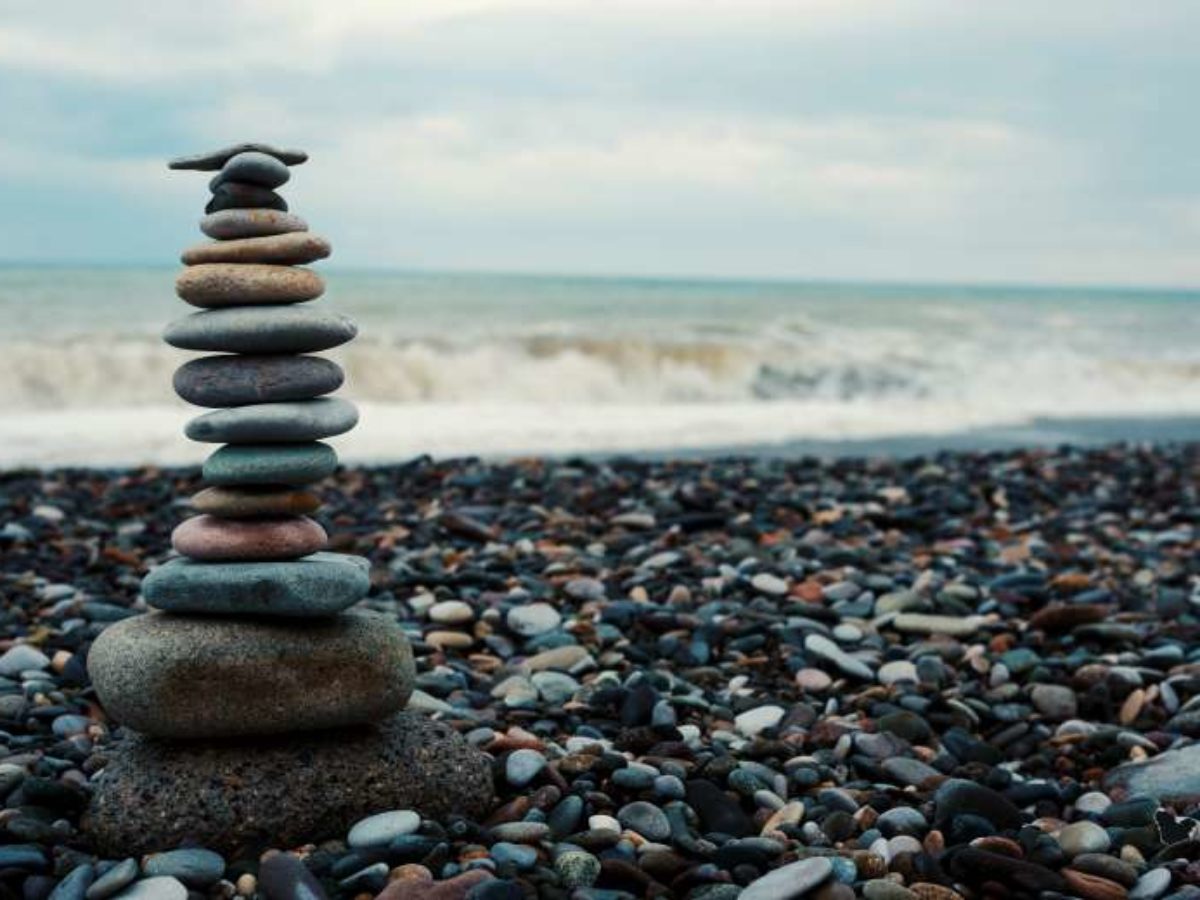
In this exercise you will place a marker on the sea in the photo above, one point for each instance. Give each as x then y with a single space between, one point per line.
506 365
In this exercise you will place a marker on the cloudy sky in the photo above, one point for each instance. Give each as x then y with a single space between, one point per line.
1026 140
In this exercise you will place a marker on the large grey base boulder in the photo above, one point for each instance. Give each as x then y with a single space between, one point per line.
243 795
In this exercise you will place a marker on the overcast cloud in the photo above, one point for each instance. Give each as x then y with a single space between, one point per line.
936 140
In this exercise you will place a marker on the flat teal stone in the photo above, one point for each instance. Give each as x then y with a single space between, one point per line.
302 420
322 584
262 464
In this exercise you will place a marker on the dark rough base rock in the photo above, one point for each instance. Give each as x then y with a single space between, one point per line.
262 464
239 797
209 162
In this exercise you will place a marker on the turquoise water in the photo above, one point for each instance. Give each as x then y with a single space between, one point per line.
480 363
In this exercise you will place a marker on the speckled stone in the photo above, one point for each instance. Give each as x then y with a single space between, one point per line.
263 464
215 159
215 285
238 797
239 195
319 585
206 537
261 329
301 420
291 249
252 167
248 502
229 380
231 224
176 676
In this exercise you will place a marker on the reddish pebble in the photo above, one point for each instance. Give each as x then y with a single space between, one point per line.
211 538
418 889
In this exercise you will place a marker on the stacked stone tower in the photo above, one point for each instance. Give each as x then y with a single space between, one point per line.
252 634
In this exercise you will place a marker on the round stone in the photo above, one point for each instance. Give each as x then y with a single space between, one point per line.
815 680
646 819
194 866
240 195
291 249
252 167
522 766
1083 837
897 671
206 537
533 619
231 224
162 887
215 285
248 502
451 612
190 677
1151 885
220 381
261 464
753 722
291 790
320 585
261 329
381 829
301 420
790 881
215 159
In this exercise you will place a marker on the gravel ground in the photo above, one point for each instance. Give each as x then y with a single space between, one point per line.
928 678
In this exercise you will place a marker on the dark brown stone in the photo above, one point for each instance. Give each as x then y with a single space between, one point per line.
240 797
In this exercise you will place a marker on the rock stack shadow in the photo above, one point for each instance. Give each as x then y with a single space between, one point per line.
260 709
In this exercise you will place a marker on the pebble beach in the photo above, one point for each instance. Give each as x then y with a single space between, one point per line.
960 675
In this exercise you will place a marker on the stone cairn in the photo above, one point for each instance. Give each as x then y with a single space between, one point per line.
252 636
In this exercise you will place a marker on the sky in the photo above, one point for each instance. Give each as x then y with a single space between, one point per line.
896 140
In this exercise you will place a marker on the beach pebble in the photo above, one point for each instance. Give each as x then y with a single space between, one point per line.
533 619
1083 837
243 379
261 329
523 766
790 881
195 867
897 672
212 539
282 876
451 612
381 829
218 285
1054 701
646 819
825 649
319 585
158 888
754 721
250 502
22 658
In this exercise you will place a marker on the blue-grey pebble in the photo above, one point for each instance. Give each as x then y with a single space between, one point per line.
215 159
322 584
241 380
382 828
252 167
298 420
518 855
522 766
646 819
194 866
237 464
75 885
114 880
239 195
286 328
23 856
160 887
282 876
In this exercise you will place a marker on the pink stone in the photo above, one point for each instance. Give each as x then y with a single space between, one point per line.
212 538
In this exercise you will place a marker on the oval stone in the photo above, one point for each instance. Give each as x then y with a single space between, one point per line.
221 381
261 329
206 537
193 677
214 285
238 195
231 224
293 248
247 502
252 167
320 585
260 464
215 159
303 420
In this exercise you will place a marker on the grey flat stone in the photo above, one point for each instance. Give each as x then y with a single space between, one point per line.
238 797
215 159
252 167
263 464
1170 777
261 329
231 224
319 585
790 881
302 420
240 380
176 676
239 195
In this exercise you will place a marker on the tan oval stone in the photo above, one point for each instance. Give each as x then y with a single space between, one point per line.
241 503
192 676
217 285
294 248
210 538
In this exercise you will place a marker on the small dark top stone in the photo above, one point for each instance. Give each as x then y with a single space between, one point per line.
210 162
240 195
